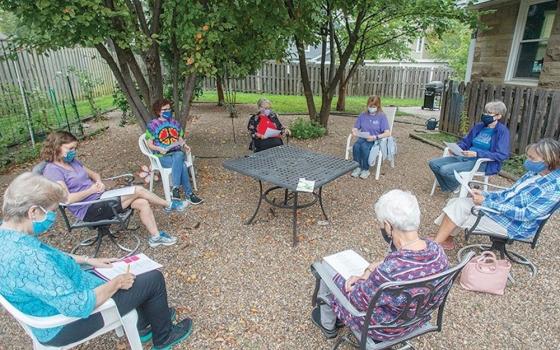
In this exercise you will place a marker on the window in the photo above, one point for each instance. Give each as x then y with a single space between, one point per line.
530 40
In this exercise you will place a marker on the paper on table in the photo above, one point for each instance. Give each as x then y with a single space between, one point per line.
138 264
305 185
123 191
271 133
347 263
462 181
363 134
454 148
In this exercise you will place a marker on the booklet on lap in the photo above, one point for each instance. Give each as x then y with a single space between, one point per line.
123 191
138 265
347 263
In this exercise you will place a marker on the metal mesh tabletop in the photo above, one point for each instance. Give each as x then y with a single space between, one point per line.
284 165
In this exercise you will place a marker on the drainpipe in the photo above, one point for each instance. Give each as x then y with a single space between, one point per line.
470 57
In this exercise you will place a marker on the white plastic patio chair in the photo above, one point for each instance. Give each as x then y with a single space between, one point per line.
112 319
468 175
390 112
165 172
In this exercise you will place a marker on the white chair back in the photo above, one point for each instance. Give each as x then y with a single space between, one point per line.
390 113
143 144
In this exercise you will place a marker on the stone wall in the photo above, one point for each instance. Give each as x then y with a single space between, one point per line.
550 75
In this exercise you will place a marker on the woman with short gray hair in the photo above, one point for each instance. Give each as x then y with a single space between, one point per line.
411 257
487 139
259 122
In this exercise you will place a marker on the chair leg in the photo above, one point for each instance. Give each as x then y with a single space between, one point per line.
166 181
485 187
193 177
129 322
129 251
520 259
379 161
152 180
433 187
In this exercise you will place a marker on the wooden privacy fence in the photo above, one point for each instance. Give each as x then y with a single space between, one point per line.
532 113
387 81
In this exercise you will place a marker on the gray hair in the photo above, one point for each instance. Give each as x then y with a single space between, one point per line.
496 107
400 209
29 190
549 150
262 101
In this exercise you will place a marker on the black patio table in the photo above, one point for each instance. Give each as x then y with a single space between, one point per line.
283 166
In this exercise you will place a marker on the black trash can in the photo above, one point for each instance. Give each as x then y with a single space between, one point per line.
432 95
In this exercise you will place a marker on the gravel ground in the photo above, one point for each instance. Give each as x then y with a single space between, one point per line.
247 288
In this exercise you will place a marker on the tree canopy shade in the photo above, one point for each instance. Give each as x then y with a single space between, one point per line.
452 46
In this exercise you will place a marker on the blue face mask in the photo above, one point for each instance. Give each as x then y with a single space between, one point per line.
167 114
534 167
69 157
40 227
372 110
487 119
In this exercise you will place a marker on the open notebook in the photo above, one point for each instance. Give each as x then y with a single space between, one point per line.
347 263
138 264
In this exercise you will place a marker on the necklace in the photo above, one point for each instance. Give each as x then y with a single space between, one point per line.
409 243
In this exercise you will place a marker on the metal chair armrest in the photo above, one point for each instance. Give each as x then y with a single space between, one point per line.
326 277
130 178
108 200
478 209
489 185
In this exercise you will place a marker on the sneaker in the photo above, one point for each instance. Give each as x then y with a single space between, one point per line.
356 172
146 333
175 194
364 174
175 206
194 199
316 319
163 238
179 332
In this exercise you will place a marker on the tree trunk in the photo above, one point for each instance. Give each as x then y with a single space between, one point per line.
326 100
341 101
311 110
188 89
220 90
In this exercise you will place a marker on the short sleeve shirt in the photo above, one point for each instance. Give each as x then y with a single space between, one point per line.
164 133
375 124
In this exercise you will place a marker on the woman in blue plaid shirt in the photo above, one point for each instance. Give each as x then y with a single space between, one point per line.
531 197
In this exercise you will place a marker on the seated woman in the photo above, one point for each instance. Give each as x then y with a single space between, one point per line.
165 137
40 280
373 122
530 197
259 122
83 184
487 139
411 258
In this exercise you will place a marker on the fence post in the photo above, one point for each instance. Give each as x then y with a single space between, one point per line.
25 105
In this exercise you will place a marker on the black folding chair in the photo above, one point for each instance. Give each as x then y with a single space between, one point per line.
103 227
421 299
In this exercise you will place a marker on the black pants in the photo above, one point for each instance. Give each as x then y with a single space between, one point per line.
148 296
261 145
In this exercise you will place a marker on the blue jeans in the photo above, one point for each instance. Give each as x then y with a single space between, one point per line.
360 152
179 171
443 168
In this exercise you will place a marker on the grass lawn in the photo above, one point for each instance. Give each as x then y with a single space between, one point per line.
296 104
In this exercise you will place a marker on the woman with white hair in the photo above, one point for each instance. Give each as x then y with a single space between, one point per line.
259 122
487 139
411 258
41 280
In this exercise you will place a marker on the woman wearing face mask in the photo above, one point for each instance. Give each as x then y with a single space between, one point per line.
399 214
83 184
530 197
264 119
372 122
165 137
487 139
40 280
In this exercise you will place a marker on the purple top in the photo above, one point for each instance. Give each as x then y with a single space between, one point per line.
401 265
375 124
76 180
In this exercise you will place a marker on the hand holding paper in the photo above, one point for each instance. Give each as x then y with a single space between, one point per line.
271 133
454 148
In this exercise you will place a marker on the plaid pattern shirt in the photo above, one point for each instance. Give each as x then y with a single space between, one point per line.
521 206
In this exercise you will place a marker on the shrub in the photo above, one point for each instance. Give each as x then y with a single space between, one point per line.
303 128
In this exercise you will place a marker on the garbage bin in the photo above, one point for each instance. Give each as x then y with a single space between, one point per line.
432 95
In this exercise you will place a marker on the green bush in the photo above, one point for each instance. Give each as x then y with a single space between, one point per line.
303 128
514 165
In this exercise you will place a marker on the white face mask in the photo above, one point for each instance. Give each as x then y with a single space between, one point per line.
372 110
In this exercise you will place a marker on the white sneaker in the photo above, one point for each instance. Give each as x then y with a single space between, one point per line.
364 174
356 172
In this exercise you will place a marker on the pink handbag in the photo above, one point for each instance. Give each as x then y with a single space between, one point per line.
485 273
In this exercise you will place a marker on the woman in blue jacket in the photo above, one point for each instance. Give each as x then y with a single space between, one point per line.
487 139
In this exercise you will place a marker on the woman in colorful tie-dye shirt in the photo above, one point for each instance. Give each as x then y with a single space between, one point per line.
412 258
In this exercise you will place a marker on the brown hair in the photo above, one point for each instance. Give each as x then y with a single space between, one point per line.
52 144
549 150
376 102
156 106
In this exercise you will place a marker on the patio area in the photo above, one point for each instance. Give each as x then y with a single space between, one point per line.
246 287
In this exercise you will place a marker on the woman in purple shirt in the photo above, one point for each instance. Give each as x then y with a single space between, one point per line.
83 184
370 126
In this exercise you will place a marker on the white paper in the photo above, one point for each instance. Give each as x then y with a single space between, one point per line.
123 191
271 133
454 148
347 263
305 185
177 143
139 264
462 181
363 134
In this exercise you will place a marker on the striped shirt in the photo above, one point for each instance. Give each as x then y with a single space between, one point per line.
400 265
523 203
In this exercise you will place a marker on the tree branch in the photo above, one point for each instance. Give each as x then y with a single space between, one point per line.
139 11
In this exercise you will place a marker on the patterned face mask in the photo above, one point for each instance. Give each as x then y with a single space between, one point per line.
42 226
